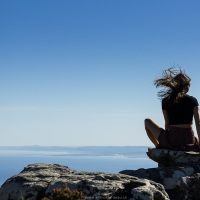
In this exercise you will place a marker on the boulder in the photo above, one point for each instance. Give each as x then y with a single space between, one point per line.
169 177
37 180
190 187
177 171
165 157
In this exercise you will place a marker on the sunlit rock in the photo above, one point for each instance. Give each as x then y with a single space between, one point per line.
37 180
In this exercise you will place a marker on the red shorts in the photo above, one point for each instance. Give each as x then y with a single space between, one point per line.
176 138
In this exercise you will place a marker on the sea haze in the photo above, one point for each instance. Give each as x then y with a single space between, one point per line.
88 158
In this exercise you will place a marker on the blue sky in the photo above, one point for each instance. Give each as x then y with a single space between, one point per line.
76 73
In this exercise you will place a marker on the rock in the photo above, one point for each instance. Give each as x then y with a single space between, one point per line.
166 157
172 178
37 180
178 172
169 177
191 187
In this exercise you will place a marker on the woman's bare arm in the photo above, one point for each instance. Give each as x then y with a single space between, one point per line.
166 119
197 120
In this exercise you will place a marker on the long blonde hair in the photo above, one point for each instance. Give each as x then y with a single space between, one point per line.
175 84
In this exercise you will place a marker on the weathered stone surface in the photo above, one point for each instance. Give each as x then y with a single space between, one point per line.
169 177
178 172
166 157
36 180
190 187
172 178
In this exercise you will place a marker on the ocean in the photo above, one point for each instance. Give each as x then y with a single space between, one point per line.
86 158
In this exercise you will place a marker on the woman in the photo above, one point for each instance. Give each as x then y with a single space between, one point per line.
178 110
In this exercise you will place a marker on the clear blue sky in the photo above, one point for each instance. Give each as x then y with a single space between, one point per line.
76 72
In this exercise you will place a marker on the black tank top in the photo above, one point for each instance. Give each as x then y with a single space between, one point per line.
180 112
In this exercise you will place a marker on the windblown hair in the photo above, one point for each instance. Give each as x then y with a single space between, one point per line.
175 84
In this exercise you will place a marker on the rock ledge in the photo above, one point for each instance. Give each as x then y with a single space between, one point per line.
37 180
177 171
166 158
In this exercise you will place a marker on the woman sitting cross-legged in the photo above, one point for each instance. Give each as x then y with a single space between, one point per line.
178 110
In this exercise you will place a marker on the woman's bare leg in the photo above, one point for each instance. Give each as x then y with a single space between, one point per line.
153 130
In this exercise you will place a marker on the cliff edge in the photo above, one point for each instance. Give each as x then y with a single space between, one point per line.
177 177
39 180
177 171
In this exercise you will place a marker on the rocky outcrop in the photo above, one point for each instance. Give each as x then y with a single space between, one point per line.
165 157
37 180
178 172
177 177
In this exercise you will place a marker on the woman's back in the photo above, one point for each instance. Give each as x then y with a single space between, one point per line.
181 111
